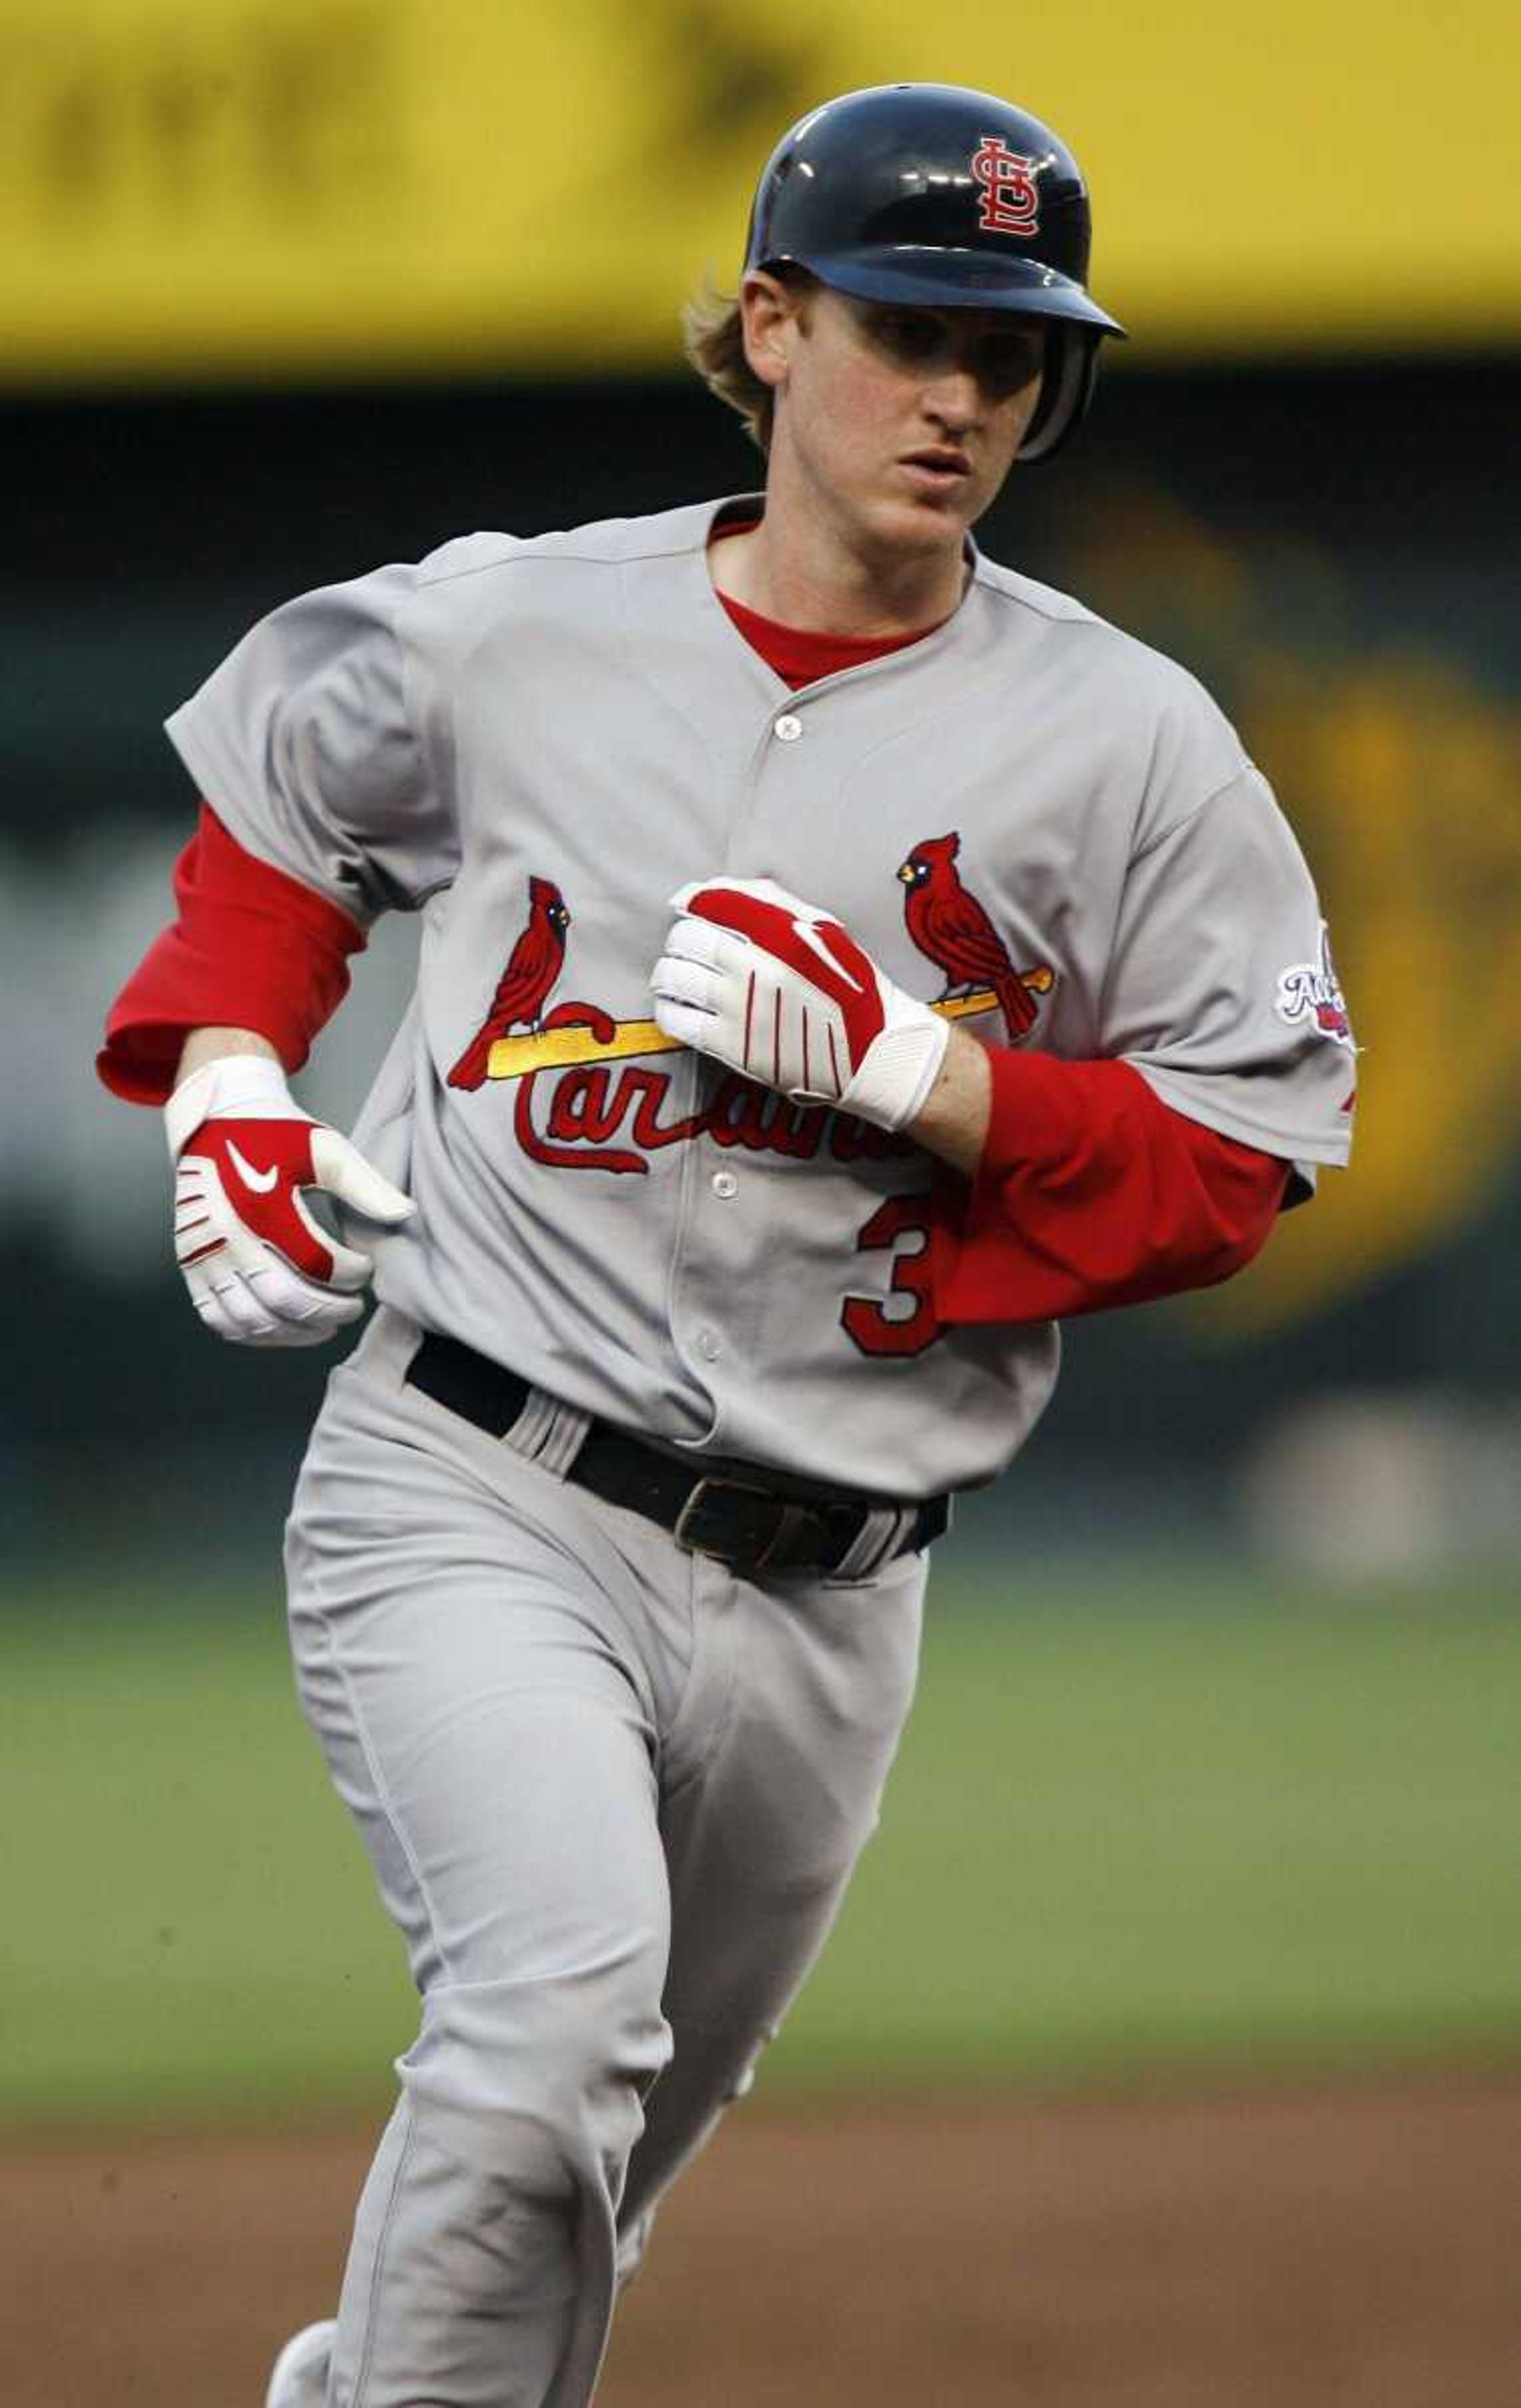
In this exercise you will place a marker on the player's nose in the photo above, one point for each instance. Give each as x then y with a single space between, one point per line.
954 400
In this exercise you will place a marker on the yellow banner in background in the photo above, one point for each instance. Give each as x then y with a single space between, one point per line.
269 187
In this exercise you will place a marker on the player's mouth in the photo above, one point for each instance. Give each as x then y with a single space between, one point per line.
938 470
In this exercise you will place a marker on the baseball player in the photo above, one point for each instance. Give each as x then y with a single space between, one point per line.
842 958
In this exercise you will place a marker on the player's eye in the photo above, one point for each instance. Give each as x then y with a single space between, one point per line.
906 334
1009 362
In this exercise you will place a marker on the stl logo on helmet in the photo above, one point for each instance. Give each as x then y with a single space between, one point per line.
1011 201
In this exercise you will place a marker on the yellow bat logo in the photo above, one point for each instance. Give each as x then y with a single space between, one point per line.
564 1049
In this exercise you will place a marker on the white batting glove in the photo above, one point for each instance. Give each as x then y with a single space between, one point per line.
779 991
260 1270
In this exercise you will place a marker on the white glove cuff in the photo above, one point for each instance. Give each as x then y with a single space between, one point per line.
248 1086
893 1084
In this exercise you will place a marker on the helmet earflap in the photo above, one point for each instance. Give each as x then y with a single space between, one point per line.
1072 367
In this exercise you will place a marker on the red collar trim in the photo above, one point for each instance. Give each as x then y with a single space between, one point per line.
798 656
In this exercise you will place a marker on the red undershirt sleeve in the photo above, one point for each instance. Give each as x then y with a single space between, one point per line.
1092 1193
252 947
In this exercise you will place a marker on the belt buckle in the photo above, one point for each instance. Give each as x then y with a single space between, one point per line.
736 1552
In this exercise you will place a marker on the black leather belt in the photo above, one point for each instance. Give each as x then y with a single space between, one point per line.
750 1519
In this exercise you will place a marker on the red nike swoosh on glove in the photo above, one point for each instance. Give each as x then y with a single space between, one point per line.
263 1194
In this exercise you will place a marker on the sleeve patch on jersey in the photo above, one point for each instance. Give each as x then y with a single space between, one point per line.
1310 993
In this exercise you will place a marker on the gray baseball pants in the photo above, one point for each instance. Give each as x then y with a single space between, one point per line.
613 1793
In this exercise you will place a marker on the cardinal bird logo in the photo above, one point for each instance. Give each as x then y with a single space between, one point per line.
951 929
532 965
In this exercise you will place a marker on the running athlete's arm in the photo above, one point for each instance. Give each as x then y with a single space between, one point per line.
205 1045
234 989
1085 1192
956 1114
1088 1190
318 744
1224 1074
253 954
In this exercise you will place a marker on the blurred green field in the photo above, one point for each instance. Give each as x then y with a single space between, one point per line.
1198 1825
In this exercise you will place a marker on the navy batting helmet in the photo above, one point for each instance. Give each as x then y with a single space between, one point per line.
942 198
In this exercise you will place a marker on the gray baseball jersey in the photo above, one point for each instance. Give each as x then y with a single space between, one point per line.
535 743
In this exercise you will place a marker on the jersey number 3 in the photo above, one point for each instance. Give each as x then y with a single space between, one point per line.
899 1227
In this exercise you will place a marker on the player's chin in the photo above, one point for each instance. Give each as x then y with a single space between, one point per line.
925 519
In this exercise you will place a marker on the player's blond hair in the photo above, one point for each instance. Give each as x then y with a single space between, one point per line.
713 339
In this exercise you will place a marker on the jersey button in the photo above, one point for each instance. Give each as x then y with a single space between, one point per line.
708 1346
726 1185
788 728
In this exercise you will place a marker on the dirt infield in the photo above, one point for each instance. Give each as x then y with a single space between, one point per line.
1314 2249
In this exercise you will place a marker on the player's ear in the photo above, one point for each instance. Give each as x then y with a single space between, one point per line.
773 314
